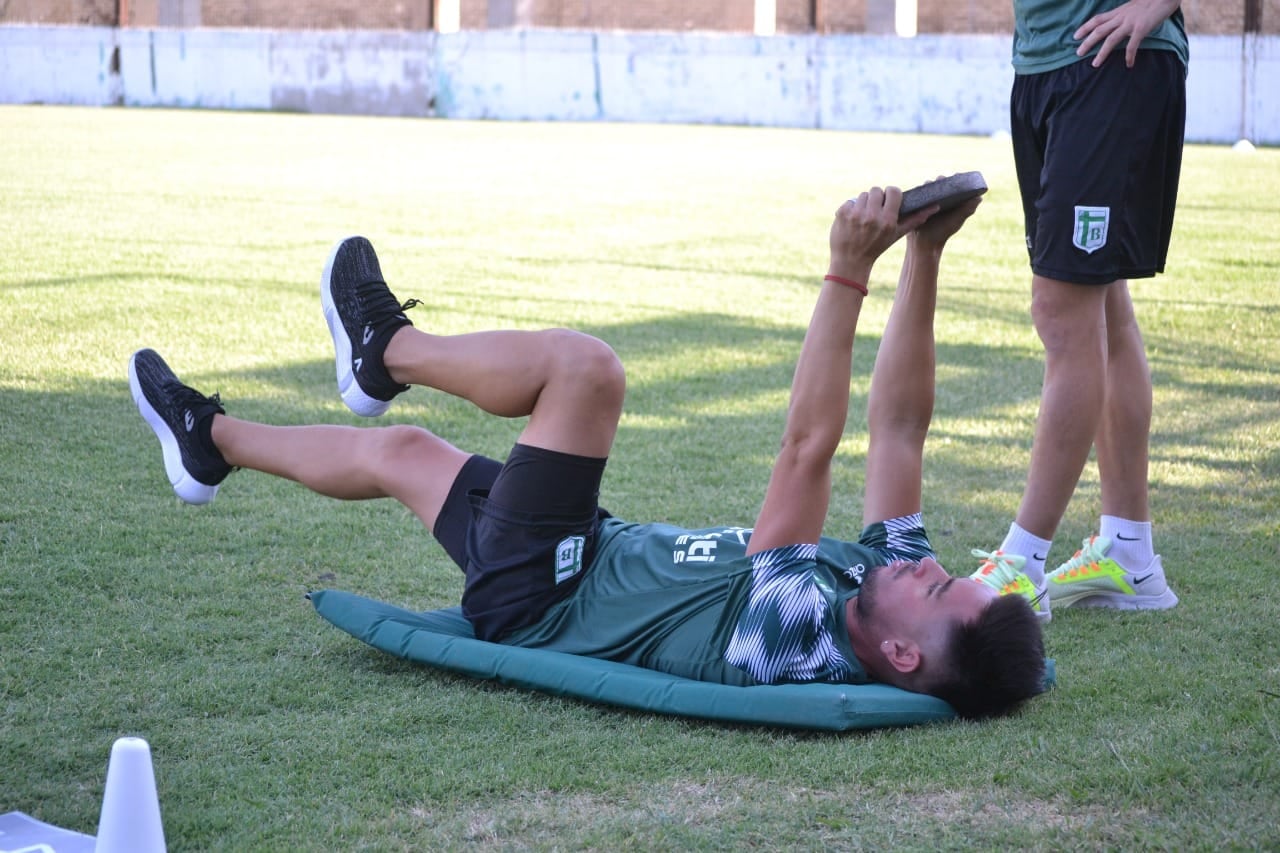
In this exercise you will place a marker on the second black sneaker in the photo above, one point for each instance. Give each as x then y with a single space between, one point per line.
362 315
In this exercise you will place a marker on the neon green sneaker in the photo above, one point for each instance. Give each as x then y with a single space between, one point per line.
1092 579
1003 573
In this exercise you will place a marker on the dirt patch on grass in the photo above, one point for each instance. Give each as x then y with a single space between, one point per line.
752 814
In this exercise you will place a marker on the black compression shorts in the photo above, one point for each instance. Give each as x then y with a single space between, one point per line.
522 531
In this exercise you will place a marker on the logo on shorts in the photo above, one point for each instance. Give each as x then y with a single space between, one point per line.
1091 228
569 557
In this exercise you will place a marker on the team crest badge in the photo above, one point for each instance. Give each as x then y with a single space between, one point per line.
569 557
1091 228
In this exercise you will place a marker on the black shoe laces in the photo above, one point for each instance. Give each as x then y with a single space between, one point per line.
379 305
186 397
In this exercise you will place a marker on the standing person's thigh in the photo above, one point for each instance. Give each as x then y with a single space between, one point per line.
1112 141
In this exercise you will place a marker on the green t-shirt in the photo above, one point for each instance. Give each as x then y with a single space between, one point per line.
1044 32
692 603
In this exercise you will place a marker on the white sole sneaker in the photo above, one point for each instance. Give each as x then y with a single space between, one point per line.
184 483
1110 586
348 388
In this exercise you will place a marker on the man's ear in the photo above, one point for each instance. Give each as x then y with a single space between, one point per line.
902 655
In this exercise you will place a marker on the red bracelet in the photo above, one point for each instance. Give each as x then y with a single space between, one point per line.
847 282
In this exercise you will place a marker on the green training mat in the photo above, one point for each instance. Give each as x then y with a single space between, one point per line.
444 639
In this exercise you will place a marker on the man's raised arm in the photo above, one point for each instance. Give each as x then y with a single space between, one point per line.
799 493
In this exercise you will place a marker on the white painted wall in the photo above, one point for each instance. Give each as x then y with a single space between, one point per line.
215 69
57 65
928 84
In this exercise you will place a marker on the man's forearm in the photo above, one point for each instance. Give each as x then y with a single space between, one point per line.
820 390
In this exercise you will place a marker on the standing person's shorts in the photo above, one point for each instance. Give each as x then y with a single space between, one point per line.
522 532
1098 153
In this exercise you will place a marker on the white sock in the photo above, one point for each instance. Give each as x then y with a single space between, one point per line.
1130 542
1035 549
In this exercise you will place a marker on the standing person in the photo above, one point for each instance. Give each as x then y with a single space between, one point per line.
1098 110
546 567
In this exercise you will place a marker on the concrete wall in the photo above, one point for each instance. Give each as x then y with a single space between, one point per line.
825 17
929 84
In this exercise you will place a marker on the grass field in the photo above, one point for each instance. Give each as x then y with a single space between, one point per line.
696 252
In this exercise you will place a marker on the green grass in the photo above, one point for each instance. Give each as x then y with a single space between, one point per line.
696 252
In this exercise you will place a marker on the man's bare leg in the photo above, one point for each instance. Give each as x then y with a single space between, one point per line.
1071 322
1124 572
1124 431
1123 438
570 385
407 463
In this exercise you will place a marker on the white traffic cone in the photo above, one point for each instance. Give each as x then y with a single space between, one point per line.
130 819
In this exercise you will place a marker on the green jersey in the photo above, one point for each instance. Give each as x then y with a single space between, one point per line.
1044 32
692 603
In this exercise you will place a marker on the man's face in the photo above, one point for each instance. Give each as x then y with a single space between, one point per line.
919 601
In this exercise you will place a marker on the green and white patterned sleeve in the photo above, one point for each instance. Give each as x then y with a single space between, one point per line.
785 632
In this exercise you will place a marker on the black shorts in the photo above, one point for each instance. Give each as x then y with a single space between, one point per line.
1098 153
522 532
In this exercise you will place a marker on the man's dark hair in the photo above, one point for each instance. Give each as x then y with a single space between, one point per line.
996 662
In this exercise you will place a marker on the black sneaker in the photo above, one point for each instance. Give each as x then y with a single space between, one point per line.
175 413
362 315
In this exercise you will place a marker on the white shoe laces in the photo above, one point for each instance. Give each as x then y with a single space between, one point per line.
1092 550
998 568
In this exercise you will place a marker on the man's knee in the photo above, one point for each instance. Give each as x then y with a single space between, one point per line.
401 445
591 365
1068 317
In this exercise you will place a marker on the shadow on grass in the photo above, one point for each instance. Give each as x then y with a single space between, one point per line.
702 438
